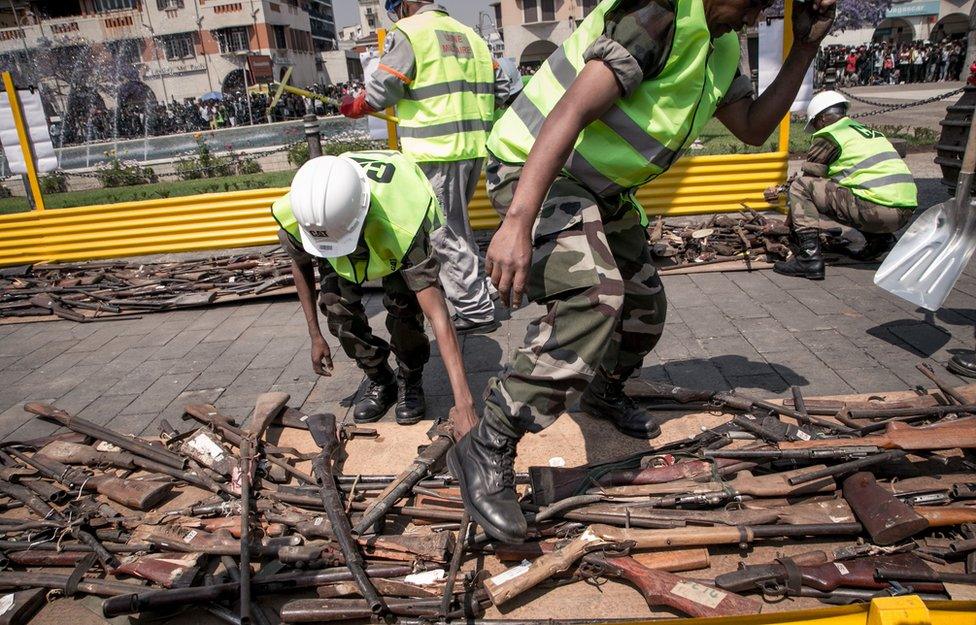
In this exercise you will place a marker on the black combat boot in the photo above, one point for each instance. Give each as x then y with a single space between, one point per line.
410 405
807 261
605 399
377 399
876 245
964 364
483 462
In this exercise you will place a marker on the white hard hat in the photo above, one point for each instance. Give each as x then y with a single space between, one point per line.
330 199
823 101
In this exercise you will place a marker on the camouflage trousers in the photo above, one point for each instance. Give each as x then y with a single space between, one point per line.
604 303
812 198
341 301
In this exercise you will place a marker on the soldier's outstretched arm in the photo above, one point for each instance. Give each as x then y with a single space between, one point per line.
591 95
434 306
304 275
752 121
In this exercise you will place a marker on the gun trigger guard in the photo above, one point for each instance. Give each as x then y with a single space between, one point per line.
619 549
772 591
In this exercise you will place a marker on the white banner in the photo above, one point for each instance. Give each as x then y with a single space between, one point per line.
33 110
371 61
771 60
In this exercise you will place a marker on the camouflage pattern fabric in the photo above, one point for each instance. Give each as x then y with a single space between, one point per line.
605 304
812 198
341 301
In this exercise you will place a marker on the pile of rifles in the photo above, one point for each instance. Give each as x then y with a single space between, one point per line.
107 289
874 498
719 239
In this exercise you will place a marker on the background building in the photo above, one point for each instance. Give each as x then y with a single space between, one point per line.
911 20
532 29
159 49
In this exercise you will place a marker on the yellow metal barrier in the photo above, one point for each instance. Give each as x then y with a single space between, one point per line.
196 222
907 610
701 184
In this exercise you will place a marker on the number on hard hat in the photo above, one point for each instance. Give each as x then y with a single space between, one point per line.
821 102
330 199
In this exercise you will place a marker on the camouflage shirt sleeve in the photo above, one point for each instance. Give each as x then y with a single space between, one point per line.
420 266
740 89
636 41
294 248
398 67
822 153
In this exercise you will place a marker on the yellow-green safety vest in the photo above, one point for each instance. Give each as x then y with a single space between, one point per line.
641 135
401 203
448 108
869 165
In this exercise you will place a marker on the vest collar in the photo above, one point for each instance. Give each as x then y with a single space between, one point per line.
427 8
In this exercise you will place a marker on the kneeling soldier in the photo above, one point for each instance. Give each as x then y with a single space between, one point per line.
367 216
853 176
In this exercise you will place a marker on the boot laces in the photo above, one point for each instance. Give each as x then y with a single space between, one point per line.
507 464
375 390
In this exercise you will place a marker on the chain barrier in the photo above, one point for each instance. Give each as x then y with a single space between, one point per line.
887 108
250 156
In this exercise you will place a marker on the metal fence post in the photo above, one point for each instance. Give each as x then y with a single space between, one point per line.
313 136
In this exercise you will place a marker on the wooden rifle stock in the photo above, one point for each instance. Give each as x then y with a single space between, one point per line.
673 560
886 519
943 516
662 588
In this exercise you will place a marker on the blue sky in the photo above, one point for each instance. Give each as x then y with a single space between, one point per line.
464 10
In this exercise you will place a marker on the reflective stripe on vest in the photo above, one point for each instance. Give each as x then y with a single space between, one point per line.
869 166
642 134
402 202
448 108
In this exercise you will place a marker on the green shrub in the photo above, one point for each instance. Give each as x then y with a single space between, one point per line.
203 163
298 154
118 173
55 182
246 165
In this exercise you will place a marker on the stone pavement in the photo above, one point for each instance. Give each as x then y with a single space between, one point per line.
756 331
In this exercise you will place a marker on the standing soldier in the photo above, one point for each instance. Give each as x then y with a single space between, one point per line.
611 109
852 176
369 216
442 78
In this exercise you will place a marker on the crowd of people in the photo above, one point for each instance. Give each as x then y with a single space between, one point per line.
211 112
886 63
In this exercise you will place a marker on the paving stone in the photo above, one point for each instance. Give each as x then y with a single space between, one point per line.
697 374
109 351
160 394
14 417
229 329
794 316
299 391
136 381
767 336
708 322
106 407
925 338
136 424
174 410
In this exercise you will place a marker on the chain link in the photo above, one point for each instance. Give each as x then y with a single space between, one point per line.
887 108
250 156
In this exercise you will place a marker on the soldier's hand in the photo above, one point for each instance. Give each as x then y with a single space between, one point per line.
321 356
812 20
771 194
508 260
463 418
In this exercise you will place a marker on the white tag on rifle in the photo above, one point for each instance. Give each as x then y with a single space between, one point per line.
6 602
190 536
426 578
702 595
803 436
843 569
510 574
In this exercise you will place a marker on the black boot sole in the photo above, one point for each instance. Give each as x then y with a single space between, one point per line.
454 466
643 435
376 418
816 276
412 419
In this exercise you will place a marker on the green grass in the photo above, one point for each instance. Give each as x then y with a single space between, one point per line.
175 188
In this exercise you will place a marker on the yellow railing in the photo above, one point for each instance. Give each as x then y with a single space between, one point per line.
703 184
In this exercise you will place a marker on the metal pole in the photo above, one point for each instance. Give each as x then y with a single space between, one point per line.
33 184
247 96
313 136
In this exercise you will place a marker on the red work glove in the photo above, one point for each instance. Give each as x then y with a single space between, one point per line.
354 108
